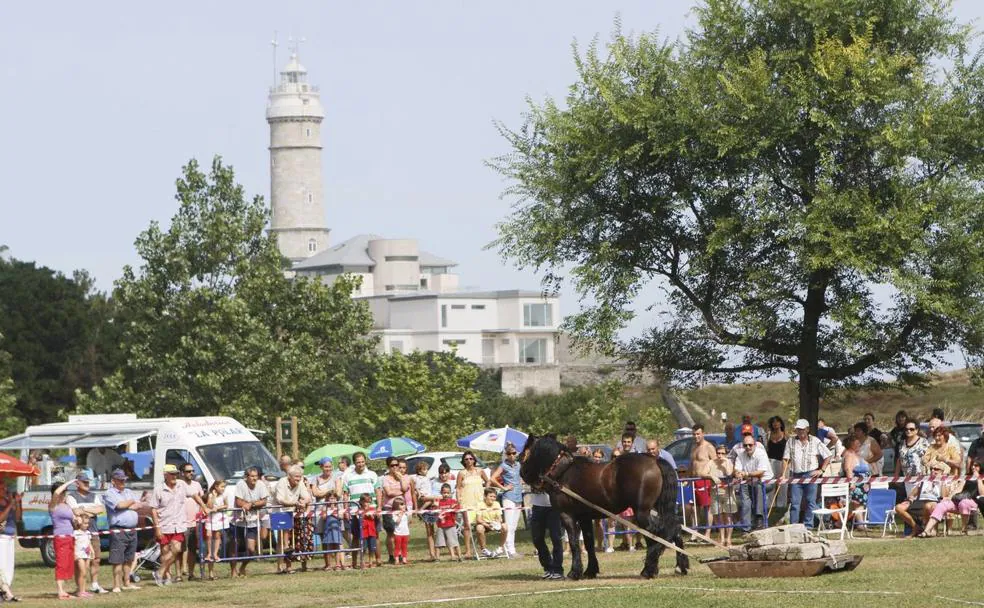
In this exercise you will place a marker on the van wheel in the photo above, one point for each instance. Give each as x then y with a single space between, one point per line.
47 547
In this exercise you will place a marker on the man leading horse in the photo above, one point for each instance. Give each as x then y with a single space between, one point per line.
643 482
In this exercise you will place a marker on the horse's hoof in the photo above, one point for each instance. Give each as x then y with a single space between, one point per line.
574 576
590 574
681 571
649 574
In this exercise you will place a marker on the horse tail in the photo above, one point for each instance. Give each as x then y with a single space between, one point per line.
667 500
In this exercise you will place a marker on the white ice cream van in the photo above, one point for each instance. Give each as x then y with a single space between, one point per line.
218 447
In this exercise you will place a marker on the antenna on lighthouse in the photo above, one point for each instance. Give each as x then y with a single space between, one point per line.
274 44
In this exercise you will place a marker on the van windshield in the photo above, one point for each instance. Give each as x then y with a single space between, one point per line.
230 460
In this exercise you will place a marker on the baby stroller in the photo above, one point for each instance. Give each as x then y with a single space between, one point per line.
149 558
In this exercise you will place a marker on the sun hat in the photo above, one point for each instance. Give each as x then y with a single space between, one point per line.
801 424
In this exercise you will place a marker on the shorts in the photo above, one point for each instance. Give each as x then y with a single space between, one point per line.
122 546
388 524
493 526
447 537
177 537
64 558
429 518
702 492
369 545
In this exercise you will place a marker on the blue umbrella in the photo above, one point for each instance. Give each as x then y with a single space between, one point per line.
395 446
493 440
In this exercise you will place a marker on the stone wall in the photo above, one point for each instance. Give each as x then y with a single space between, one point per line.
518 380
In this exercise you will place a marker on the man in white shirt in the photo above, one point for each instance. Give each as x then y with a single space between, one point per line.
805 458
752 467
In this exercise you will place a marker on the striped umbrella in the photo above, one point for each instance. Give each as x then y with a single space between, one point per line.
395 446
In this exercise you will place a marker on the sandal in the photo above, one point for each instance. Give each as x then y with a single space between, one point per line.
922 535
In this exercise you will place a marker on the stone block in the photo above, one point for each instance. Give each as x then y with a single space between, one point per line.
834 548
739 553
779 535
804 551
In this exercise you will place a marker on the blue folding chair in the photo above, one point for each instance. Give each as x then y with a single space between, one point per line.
880 510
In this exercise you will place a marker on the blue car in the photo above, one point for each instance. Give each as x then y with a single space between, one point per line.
680 449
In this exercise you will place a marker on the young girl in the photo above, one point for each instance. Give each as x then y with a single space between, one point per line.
83 551
723 503
447 529
369 535
332 534
426 501
218 522
401 530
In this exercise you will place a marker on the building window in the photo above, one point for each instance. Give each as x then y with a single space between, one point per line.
444 315
452 342
401 288
401 258
423 282
505 341
457 307
478 306
312 246
310 197
533 351
309 132
537 315
396 346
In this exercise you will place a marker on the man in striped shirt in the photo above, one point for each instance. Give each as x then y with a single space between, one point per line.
357 481
805 457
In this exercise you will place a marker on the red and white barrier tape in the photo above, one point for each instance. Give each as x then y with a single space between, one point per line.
827 480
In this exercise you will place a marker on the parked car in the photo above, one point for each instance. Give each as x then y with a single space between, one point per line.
680 449
966 432
435 459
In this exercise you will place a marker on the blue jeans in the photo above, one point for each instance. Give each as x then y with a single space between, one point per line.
796 494
544 520
749 495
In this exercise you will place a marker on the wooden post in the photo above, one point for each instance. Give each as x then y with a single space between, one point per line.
277 433
293 437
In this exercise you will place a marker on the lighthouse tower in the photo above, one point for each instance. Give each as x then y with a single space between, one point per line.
296 193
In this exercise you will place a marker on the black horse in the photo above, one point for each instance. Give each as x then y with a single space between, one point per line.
643 482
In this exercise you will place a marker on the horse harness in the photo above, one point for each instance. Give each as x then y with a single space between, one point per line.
558 468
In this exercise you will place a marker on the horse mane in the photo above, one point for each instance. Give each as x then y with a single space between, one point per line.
543 452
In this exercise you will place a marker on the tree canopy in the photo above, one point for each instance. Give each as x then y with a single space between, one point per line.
800 178
214 326
58 334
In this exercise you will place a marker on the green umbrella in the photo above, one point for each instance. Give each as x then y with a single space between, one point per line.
335 450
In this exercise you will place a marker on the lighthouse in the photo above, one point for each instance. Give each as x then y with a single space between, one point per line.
294 113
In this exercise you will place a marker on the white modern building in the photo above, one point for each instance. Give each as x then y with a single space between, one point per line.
386 266
414 295
492 328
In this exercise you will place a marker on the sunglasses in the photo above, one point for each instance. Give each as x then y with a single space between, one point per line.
395 464
511 453
749 445
189 471
910 428
467 460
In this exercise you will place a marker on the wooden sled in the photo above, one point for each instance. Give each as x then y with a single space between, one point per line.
784 569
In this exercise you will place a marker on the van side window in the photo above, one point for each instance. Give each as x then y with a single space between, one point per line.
181 457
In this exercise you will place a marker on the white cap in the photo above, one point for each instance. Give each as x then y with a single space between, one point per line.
801 424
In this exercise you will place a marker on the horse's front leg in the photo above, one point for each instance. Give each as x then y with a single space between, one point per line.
587 528
573 533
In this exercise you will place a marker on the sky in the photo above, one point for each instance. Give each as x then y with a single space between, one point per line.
104 102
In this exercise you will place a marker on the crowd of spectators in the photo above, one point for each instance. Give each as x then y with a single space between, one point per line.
754 456
340 512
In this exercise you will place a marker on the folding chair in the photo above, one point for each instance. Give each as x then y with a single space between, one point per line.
880 510
841 492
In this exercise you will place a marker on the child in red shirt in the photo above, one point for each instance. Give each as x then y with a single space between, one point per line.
369 535
447 522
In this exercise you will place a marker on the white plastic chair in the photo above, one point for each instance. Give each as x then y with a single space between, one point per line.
841 492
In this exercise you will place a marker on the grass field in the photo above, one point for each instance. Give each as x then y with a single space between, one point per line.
894 573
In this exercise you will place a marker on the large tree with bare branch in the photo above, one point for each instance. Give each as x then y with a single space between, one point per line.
802 178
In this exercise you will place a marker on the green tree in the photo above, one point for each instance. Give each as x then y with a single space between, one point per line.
214 327
10 421
59 334
428 396
801 178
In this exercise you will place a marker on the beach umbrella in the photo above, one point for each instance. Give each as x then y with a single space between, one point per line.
12 467
493 440
335 450
395 446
